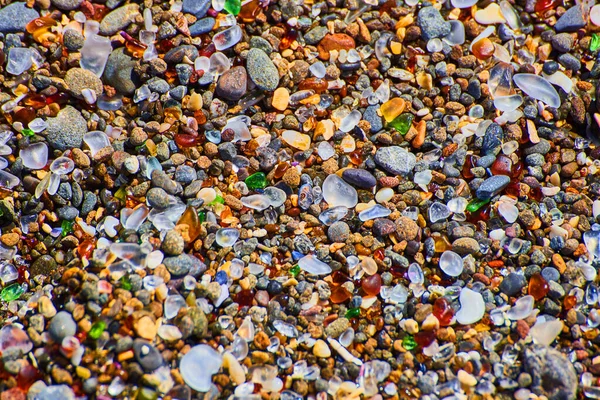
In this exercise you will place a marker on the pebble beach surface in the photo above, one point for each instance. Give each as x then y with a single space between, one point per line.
217 199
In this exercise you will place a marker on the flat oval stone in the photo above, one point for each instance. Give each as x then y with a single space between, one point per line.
119 19
262 71
359 177
15 16
492 186
147 355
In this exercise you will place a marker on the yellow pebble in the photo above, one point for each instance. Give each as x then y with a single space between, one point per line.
321 349
281 99
392 108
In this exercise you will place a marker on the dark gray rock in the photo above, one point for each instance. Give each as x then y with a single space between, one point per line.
147 355
66 130
432 24
572 20
552 373
261 70
15 16
119 71
512 284
202 26
491 186
359 178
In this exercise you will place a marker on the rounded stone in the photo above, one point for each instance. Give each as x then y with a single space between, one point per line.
232 84
338 232
261 70
66 130
406 228
173 243
147 355
62 326
359 178
119 71
78 79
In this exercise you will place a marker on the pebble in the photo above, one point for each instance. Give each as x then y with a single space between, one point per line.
62 326
15 16
395 160
147 355
67 5
202 26
359 177
119 19
432 24
119 71
338 232
571 20
491 186
261 70
232 84
196 7
66 130
78 79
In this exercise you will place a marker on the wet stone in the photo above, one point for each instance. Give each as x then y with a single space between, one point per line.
261 70
512 284
232 84
15 16
571 20
66 130
196 7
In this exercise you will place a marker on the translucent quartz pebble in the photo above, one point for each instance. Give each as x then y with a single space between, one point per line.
62 166
350 121
142 93
501 53
333 214
35 156
508 103
239 125
219 63
198 366
451 263
511 16
508 211
136 218
312 265
8 272
94 53
109 103
438 211
522 308
318 69
256 202
169 333
275 195
500 80
226 237
325 150
347 337
173 304
595 15
377 211
89 95
458 204
457 33
19 60
337 192
591 240
8 180
560 79
96 140
285 329
202 64
296 139
423 177
218 5
545 332
415 273
227 38
246 330
472 307
538 88
463 3
14 338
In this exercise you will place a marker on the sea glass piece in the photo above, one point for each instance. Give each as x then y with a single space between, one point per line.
538 88
312 265
198 366
94 53
337 192
227 38
472 307
35 156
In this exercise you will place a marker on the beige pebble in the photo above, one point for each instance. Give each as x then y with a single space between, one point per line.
466 379
430 323
411 326
236 372
321 349
10 239
145 328
46 307
281 99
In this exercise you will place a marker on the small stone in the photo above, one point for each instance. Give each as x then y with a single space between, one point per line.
261 70
15 16
66 130
321 349
432 23
281 99
552 373
338 232
147 355
337 327
465 246
571 20
202 26
62 326
173 243
406 228
10 239
145 328
512 284
336 41
179 265
232 84
492 186
119 71
78 79
67 5
359 178
315 35
563 42
119 19
395 160
196 7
